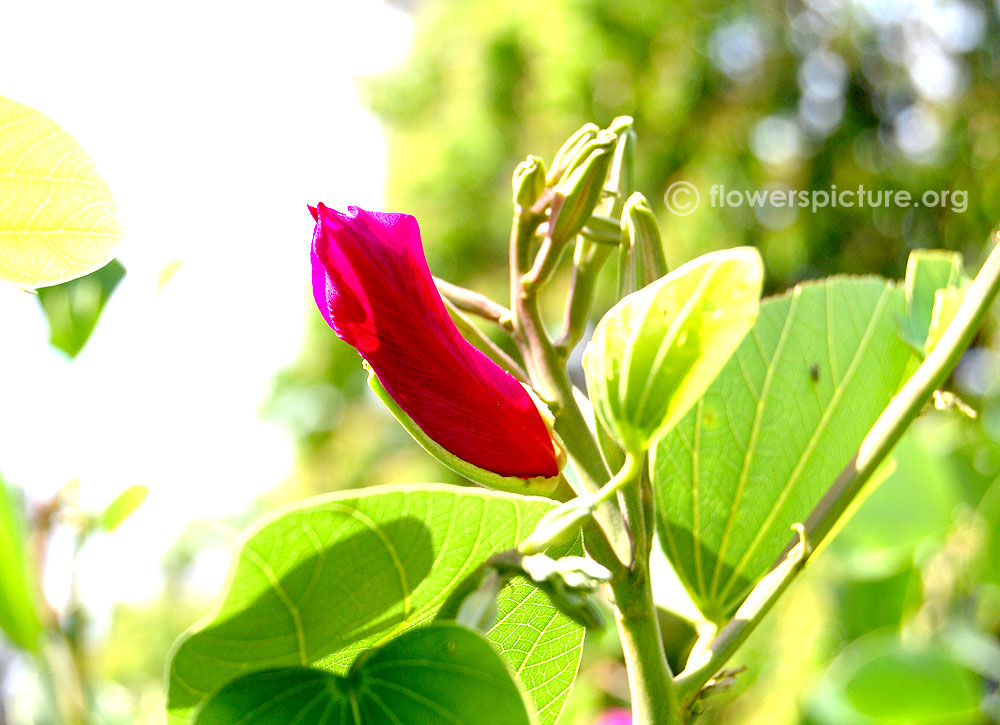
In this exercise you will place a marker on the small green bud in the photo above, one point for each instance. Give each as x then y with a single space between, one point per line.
558 525
569 150
578 193
529 182
568 582
641 259
479 609
621 176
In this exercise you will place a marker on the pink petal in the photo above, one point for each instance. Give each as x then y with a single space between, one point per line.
373 286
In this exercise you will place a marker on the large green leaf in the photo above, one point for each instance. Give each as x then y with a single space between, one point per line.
654 353
443 673
73 308
57 220
321 582
18 614
782 418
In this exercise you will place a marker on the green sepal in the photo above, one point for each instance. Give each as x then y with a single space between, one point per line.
556 487
621 176
641 260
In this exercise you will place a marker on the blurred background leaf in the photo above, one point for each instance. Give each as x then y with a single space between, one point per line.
19 617
123 506
73 308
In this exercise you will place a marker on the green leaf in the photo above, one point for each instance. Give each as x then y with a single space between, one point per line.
877 679
927 271
58 220
18 605
773 431
320 582
124 505
656 351
946 304
442 673
73 308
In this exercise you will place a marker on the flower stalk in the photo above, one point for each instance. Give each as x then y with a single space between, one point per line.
654 696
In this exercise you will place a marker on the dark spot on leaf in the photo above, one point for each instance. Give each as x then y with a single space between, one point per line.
814 372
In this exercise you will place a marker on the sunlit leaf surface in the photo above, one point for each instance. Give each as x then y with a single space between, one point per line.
768 438
57 218
319 583
654 353
443 673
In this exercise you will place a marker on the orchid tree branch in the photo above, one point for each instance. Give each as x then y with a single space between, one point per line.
877 444
475 303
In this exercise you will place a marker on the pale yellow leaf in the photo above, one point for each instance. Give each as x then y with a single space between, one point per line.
57 218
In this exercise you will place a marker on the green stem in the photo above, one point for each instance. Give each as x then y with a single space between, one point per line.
654 696
877 444
545 367
586 272
651 687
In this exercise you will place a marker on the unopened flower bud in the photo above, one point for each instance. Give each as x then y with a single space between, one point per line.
569 150
558 525
621 175
372 285
579 192
529 181
479 609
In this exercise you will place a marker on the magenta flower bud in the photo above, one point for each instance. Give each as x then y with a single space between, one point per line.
373 286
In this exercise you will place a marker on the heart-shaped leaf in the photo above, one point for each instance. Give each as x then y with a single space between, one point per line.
768 438
58 220
320 582
442 673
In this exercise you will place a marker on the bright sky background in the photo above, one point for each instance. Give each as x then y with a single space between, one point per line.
214 123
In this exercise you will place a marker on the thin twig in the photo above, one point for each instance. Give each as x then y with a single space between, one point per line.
474 303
